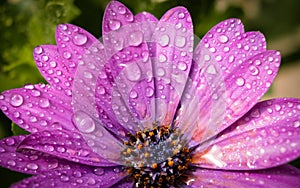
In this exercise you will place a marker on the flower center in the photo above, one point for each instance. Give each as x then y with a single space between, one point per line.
158 158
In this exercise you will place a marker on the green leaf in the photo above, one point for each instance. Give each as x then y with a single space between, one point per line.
17 130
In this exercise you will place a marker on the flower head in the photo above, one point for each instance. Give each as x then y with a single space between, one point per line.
143 108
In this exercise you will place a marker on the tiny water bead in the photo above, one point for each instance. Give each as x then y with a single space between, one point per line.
158 158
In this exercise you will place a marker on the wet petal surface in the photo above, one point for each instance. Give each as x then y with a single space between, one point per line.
266 136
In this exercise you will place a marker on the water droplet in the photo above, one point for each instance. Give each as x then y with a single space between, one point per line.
99 171
32 119
160 72
231 59
61 149
223 38
240 81
218 58
269 72
88 74
133 72
52 164
136 38
67 55
11 162
133 94
114 24
63 27
180 41
182 66
44 103
80 39
32 166
211 69
45 58
10 141
16 100
162 58
206 57
64 178
254 70
164 40
296 124
38 50
181 15
1 97
84 122
2 150
149 91
121 9
277 107
53 64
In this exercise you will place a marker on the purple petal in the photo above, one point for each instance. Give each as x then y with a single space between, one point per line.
76 177
67 145
172 60
56 70
37 107
225 90
28 161
283 176
266 136
72 43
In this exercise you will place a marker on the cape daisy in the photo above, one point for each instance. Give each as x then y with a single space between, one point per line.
143 108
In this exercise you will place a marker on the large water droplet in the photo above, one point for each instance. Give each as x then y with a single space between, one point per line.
254 70
181 15
121 9
10 141
16 100
114 24
149 91
182 66
67 55
84 122
38 50
240 81
64 178
180 41
136 38
80 39
44 103
11 162
162 58
133 94
164 40
99 171
223 38
32 166
296 124
133 72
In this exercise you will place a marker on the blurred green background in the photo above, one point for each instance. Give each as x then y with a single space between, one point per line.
25 24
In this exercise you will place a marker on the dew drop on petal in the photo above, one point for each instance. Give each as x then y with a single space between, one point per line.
149 91
223 38
182 66
114 24
80 39
240 81
10 141
162 58
160 72
164 40
296 124
133 94
180 41
44 103
38 50
136 38
133 72
67 55
11 162
64 178
211 69
121 9
84 122
99 171
254 70
181 15
32 166
16 100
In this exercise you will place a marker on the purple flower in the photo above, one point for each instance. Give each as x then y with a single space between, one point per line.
143 108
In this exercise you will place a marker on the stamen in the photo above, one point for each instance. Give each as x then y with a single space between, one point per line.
158 158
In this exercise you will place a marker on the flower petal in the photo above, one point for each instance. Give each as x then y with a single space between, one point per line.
228 95
172 59
28 161
76 177
54 68
267 136
67 145
37 107
72 43
283 176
